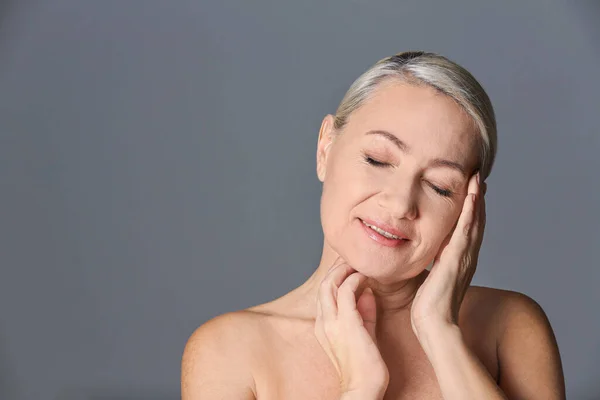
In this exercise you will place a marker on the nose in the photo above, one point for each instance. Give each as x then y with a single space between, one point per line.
399 200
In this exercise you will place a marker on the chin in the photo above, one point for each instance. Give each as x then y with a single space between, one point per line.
374 264
373 260
367 256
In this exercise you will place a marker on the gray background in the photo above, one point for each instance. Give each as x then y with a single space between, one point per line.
157 168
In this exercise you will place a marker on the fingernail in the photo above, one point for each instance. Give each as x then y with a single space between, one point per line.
477 177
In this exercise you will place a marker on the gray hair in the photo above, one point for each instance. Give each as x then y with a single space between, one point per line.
438 72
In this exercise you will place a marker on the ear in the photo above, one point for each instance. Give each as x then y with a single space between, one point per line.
326 136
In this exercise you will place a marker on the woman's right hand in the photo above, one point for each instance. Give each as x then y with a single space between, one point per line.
345 328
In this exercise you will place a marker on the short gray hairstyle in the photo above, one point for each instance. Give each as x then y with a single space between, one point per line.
440 73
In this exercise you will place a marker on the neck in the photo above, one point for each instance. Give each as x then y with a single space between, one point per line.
393 299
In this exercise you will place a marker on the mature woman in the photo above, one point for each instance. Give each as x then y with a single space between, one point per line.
403 164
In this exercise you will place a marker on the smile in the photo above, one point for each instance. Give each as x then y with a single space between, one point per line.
382 232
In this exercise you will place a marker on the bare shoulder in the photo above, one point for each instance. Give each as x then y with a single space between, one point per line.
502 306
528 356
509 309
234 330
218 357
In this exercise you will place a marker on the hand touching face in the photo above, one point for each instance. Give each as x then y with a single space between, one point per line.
345 328
412 176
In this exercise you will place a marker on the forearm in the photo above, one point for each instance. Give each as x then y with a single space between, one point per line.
459 372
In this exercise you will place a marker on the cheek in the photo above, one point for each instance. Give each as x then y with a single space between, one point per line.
447 224
342 190
440 225
340 197
333 208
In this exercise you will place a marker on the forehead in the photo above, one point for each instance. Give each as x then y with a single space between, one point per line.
419 115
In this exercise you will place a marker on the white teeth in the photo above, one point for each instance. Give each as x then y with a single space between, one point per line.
382 232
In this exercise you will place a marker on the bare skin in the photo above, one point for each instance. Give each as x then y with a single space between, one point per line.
300 369
270 351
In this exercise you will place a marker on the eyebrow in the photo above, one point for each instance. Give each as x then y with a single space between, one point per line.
437 162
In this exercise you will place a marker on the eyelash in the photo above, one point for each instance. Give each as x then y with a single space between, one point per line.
379 164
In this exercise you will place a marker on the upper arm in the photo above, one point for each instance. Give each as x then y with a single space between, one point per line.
528 356
215 361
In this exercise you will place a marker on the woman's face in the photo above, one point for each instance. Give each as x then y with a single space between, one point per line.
397 162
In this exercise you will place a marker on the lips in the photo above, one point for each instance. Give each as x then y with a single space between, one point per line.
381 239
387 228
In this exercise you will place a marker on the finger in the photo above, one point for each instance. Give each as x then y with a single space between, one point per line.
338 261
322 339
483 217
479 228
474 227
328 290
474 185
443 246
319 308
367 308
334 271
460 238
319 327
347 295
479 217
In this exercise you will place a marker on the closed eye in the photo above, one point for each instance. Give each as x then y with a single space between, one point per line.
375 163
379 164
442 192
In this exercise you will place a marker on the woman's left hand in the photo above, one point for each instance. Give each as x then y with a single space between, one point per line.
438 299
